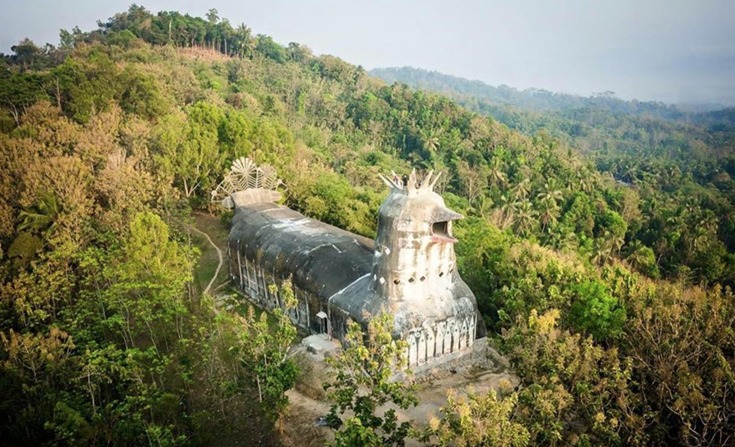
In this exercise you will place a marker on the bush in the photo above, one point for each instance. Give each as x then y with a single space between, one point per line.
597 312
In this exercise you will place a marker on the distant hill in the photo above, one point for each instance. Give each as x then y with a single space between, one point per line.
530 99
717 120
589 123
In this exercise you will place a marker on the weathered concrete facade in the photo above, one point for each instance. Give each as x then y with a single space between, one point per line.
410 270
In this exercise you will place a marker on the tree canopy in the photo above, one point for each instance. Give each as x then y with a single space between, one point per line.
599 241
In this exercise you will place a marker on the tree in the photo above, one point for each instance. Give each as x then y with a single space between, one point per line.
212 16
362 383
473 180
263 349
602 252
495 173
585 180
244 43
579 217
505 216
643 258
42 216
524 217
270 49
145 282
430 139
597 312
682 345
87 85
189 150
549 213
477 421
551 192
522 189
566 376
28 55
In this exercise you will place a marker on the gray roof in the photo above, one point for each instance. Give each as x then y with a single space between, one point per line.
323 259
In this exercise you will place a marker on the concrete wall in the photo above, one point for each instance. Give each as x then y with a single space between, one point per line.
426 344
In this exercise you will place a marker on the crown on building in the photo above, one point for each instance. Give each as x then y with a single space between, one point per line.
412 185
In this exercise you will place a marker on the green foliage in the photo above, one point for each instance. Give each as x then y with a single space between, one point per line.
362 383
120 38
644 259
530 99
595 311
566 375
42 216
329 198
611 223
477 421
270 49
141 94
24 247
189 149
110 140
659 157
579 218
89 84
264 351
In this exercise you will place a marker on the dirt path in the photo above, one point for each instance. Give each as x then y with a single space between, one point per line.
219 255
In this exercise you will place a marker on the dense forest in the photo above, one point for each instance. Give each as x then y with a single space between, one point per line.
541 100
678 164
598 240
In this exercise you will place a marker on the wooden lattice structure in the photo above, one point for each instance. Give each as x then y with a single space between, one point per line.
245 174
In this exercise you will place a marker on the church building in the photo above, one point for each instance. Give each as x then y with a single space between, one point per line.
409 270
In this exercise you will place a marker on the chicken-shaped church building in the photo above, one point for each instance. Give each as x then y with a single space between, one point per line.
409 270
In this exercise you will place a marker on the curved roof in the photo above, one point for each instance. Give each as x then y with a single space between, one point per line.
323 259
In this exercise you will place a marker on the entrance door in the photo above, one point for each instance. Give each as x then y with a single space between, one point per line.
323 323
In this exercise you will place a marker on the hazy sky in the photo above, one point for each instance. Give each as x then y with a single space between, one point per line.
669 50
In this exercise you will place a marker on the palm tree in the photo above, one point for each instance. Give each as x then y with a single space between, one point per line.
508 207
501 153
524 218
631 173
549 212
485 204
636 257
602 253
430 139
549 159
570 241
705 230
505 216
522 189
563 241
42 216
586 183
616 242
496 174
244 42
551 192
691 206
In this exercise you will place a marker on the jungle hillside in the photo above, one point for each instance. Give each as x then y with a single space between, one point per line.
599 239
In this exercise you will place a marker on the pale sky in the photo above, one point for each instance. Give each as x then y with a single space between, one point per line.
668 50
